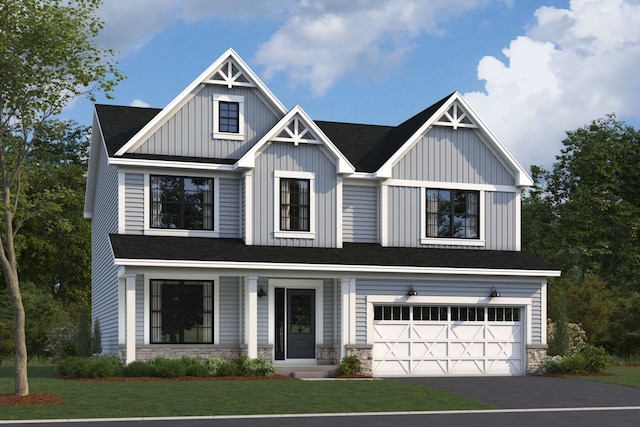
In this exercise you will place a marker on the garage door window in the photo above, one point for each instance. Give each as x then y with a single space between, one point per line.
391 312
467 314
504 314
441 313
430 313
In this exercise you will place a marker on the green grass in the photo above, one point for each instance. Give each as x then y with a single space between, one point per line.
622 375
91 399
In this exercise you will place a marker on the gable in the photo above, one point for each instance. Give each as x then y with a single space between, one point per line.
228 71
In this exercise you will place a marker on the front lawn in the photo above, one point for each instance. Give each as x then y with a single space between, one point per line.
97 399
622 375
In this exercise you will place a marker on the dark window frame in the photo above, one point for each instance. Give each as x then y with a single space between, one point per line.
228 117
160 313
182 205
456 215
295 206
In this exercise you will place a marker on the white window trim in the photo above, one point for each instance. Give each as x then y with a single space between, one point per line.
480 241
311 234
148 231
217 98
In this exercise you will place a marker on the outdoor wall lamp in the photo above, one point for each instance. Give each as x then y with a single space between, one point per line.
412 292
494 293
262 292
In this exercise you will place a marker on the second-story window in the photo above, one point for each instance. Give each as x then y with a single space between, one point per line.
453 214
294 204
229 117
181 202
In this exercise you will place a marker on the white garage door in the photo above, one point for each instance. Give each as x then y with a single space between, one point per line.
452 340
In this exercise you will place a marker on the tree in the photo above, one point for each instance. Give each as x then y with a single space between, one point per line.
49 56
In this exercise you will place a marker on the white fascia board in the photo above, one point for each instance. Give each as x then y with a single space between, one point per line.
173 164
188 93
333 268
93 167
249 159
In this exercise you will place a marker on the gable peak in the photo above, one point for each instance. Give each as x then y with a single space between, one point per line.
296 130
456 116
230 73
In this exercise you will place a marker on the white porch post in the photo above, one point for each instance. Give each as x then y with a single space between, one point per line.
130 308
348 314
251 316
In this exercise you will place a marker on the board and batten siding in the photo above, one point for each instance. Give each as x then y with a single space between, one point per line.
134 203
435 289
279 156
404 226
104 274
229 211
360 213
447 155
189 132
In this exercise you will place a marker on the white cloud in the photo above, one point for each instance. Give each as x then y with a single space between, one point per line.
139 103
322 42
573 66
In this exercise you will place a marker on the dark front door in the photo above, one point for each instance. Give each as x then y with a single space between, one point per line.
301 323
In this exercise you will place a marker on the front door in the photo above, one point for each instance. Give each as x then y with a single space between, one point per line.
301 324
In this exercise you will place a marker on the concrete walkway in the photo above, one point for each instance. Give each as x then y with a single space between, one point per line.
535 392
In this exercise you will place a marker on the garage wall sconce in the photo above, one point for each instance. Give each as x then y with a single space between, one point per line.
494 293
412 292
262 292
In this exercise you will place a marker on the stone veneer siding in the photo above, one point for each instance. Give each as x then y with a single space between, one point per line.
327 354
364 353
535 358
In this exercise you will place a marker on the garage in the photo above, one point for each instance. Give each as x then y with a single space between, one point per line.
422 340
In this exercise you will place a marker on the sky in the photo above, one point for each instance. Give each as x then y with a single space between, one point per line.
531 70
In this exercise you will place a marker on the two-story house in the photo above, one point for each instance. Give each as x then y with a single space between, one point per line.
226 224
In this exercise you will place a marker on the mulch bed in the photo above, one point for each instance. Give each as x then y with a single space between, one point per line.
31 399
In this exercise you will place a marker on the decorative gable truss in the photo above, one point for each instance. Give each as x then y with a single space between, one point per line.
455 117
230 75
296 132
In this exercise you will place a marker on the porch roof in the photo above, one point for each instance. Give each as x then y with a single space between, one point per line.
136 248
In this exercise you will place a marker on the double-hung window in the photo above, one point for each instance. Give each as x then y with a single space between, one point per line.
453 214
294 213
181 202
181 312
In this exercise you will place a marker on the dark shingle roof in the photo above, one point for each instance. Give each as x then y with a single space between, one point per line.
367 147
356 254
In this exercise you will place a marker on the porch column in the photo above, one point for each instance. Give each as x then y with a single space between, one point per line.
348 307
130 308
251 316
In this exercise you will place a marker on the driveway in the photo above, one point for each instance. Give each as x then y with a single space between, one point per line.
533 392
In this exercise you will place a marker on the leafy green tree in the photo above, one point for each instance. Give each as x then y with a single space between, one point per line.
623 334
589 305
49 56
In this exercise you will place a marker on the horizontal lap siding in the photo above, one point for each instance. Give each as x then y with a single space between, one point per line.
104 278
229 306
263 313
190 131
447 155
229 208
360 214
140 304
134 203
365 287
302 158
328 311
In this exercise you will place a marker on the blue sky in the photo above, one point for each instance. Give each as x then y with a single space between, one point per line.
531 69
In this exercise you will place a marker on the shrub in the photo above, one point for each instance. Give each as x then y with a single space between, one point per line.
197 371
552 364
138 368
350 365
260 367
240 362
82 367
227 370
596 359
61 342
167 368
213 364
575 364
